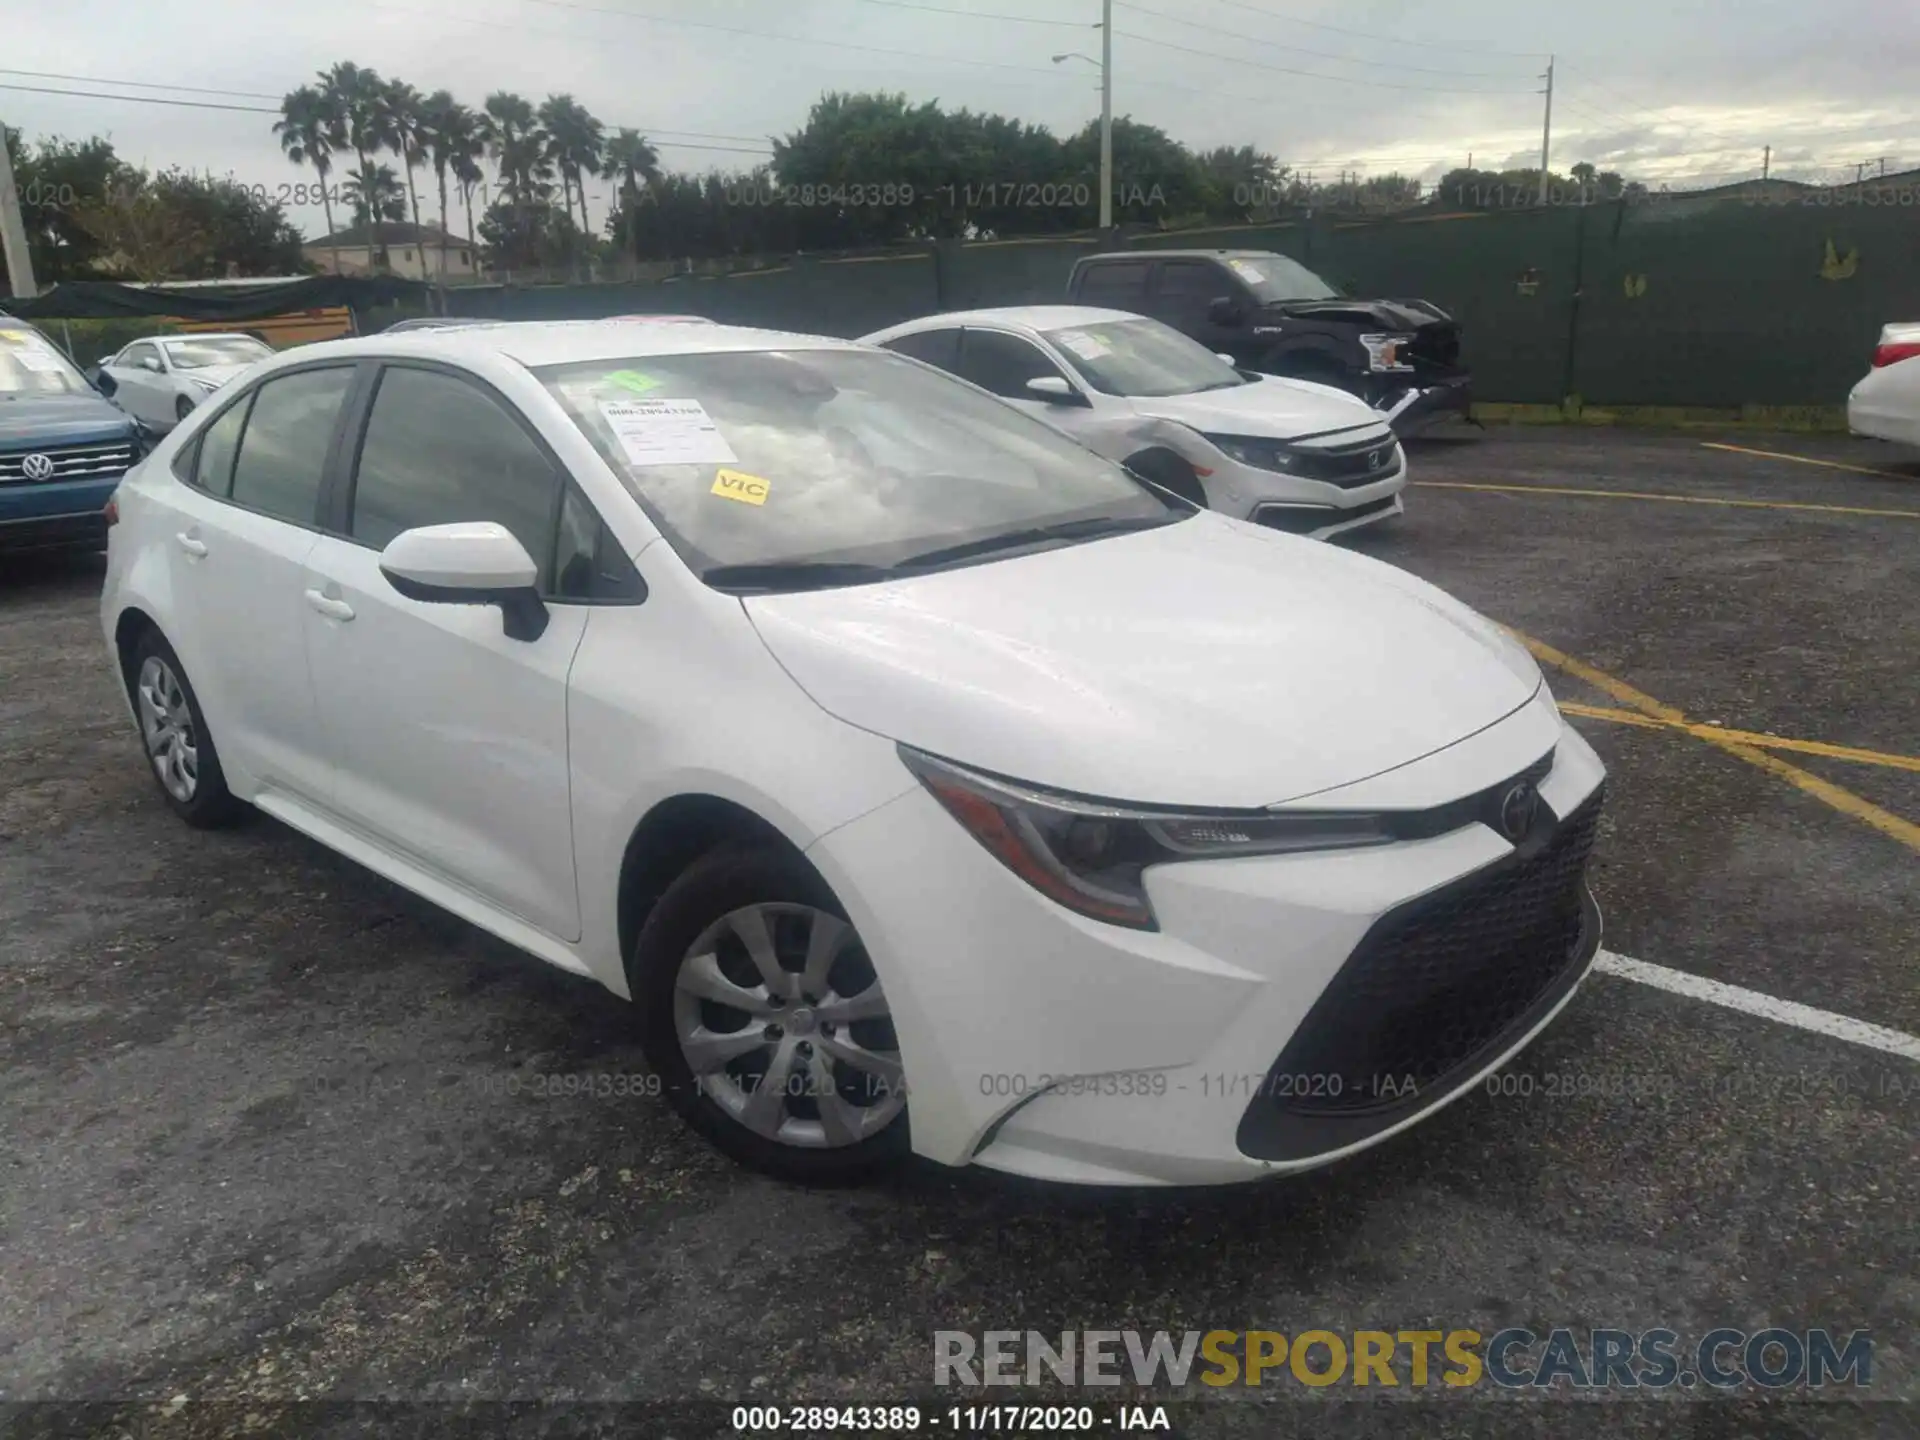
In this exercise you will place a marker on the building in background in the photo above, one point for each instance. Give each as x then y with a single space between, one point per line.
399 248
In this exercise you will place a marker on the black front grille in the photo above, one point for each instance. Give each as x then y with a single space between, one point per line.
1433 990
67 462
1348 466
1305 519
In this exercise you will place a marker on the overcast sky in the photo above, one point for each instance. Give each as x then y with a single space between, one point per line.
1657 89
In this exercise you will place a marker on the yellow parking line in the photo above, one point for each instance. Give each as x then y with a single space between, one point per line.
1747 737
1845 801
1809 460
1672 499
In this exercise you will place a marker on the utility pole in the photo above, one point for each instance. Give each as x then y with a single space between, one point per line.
1766 164
1106 114
13 229
1546 133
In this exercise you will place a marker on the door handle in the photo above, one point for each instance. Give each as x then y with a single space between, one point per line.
187 543
328 606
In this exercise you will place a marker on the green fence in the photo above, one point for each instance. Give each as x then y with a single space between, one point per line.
1664 302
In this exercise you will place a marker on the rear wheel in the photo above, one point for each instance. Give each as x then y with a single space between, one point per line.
763 1017
174 732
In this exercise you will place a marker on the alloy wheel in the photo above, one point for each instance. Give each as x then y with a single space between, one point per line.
782 1021
166 723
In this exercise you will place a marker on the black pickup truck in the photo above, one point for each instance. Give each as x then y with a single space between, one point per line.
1274 315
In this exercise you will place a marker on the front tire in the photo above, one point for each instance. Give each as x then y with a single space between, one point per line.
762 1015
174 734
1170 472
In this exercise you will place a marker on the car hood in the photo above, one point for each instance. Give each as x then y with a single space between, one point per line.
1206 663
31 420
1270 407
1392 315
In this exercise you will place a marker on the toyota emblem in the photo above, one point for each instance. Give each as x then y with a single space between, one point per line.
37 467
1517 810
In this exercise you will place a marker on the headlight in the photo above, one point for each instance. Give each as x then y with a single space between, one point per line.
1252 450
1090 857
1387 352
207 385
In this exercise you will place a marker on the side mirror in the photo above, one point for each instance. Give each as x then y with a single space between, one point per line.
1224 310
1223 355
149 363
474 562
104 361
1053 390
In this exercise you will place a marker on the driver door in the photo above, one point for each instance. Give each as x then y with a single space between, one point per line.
1003 364
139 376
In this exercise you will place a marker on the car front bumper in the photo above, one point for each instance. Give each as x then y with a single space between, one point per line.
1421 406
1041 1043
1314 508
55 513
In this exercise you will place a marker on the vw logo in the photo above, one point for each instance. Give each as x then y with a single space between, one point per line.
1517 810
37 467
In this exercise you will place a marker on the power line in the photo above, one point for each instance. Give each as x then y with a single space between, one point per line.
137 84
140 99
982 15
1309 74
1387 39
1297 50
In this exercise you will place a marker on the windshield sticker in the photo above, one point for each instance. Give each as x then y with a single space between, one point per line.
667 432
44 361
738 485
19 337
634 380
1249 273
1087 347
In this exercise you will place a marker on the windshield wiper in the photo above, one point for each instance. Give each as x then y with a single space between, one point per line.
1036 535
794 575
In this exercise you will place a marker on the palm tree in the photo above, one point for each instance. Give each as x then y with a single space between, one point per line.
405 125
452 137
311 129
577 144
635 164
465 165
519 148
375 193
359 97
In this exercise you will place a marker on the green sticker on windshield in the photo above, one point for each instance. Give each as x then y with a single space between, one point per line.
633 380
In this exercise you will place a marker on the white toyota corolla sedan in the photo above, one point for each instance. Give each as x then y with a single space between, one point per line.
1289 454
927 781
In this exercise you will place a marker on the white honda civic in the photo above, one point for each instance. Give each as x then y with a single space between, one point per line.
928 782
1289 454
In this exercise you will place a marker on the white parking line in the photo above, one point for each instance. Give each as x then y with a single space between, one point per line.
1752 1002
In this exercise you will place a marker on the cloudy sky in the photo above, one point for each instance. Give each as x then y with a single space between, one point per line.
1659 90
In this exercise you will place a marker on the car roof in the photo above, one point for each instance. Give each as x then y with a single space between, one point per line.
560 342
1175 255
1037 317
203 335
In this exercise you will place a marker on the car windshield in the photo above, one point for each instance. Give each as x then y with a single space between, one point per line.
1142 357
215 350
1275 277
29 365
838 460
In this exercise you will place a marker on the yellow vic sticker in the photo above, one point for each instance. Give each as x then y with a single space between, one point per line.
738 485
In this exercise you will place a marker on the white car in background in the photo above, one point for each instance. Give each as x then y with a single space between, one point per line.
160 381
926 780
1289 454
1885 405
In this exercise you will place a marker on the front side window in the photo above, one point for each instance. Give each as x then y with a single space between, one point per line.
1003 363
141 355
215 350
438 450
1143 358
823 456
1192 280
283 449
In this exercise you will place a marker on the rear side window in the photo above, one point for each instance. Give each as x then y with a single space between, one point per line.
438 450
1003 363
1121 285
936 347
283 449
219 443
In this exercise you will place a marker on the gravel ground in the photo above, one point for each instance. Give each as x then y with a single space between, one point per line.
270 1129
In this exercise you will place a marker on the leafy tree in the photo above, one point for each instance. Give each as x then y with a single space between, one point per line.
56 181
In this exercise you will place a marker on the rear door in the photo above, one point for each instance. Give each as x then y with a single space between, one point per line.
448 739
241 527
1115 285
